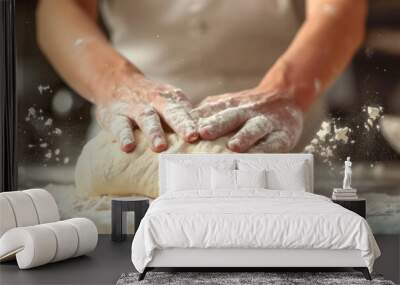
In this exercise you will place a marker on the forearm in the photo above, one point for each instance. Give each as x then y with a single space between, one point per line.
71 40
322 48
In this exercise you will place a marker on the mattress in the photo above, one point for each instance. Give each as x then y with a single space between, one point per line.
251 218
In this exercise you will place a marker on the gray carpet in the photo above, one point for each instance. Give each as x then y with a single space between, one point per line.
231 278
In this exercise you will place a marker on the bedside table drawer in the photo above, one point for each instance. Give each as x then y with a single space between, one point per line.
357 206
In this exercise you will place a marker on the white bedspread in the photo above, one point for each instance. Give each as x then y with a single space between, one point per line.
250 219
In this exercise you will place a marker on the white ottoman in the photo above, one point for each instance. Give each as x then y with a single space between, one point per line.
31 232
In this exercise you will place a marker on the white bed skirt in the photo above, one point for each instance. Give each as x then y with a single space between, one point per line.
193 257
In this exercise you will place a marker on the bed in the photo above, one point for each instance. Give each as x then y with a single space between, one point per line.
246 211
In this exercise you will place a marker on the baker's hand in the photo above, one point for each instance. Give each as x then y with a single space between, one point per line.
139 102
266 121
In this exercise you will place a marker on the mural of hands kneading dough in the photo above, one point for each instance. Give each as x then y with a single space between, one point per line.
196 76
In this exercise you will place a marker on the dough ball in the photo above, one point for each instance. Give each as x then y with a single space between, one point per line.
103 169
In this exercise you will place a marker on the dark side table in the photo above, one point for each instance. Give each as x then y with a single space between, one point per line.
119 208
357 206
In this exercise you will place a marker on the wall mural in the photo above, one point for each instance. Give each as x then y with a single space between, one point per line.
85 153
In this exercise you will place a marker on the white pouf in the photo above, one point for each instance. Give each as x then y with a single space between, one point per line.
46 206
23 208
31 232
7 220
67 237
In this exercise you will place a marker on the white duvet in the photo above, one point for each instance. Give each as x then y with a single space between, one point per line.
250 219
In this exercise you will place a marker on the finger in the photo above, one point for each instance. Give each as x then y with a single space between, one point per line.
175 94
174 108
181 97
210 108
177 117
253 130
120 127
275 142
149 122
122 130
223 122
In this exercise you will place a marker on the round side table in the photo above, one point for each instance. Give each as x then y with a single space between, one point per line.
119 208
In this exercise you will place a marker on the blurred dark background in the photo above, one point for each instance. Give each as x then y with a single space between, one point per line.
40 88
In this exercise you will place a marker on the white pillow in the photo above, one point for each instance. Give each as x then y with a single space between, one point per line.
182 177
251 178
293 180
223 179
287 175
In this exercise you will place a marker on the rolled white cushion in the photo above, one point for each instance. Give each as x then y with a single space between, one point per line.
67 239
251 178
40 244
33 246
23 208
7 218
87 235
46 206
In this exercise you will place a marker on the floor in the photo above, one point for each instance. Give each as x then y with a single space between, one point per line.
103 266
109 260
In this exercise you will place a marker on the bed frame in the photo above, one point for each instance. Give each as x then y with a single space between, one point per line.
250 259
246 259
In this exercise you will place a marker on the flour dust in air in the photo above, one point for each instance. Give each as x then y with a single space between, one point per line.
332 135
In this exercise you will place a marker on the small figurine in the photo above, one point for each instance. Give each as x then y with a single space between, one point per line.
347 174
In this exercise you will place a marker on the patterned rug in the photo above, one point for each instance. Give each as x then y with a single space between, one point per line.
243 278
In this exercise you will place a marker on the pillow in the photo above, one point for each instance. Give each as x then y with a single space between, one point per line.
223 179
251 178
185 175
182 177
287 175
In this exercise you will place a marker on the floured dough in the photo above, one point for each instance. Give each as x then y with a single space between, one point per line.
102 168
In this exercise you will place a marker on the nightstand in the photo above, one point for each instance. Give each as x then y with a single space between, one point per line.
119 207
357 206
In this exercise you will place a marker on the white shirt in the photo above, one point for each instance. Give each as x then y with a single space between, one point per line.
205 47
